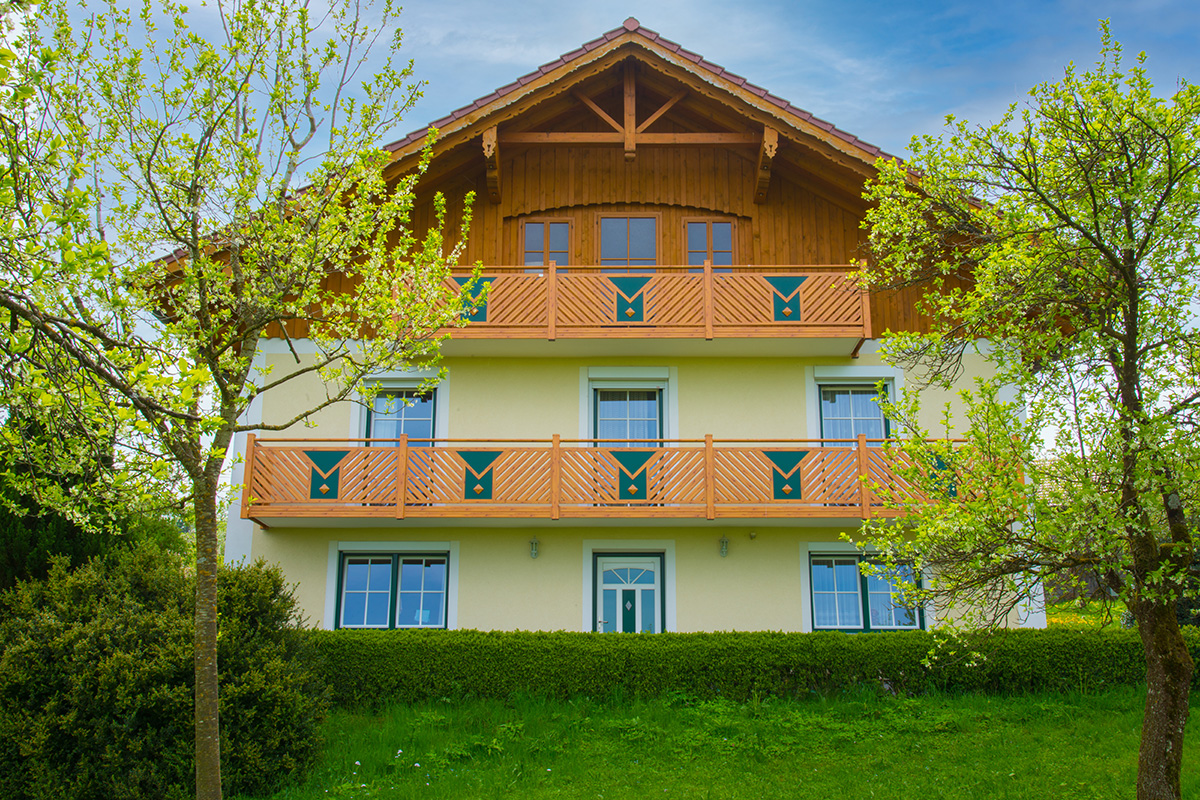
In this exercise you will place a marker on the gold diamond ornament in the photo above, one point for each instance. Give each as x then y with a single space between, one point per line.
324 488
787 489
478 488
629 312
787 312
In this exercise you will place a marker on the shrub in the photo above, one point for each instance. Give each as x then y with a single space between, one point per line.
96 681
371 668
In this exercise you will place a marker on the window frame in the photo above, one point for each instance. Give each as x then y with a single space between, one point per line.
851 376
404 380
336 549
709 220
660 391
665 379
864 599
370 413
629 268
852 387
397 558
546 242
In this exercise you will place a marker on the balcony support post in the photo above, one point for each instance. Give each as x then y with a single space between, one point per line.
551 300
555 474
864 496
248 474
710 477
402 476
708 302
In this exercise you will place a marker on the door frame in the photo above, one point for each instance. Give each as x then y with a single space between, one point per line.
598 587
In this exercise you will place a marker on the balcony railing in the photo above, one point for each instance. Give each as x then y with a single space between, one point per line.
668 302
556 479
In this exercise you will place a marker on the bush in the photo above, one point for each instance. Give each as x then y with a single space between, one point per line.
372 668
96 681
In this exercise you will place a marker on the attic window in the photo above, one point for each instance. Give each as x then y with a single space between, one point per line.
546 241
628 241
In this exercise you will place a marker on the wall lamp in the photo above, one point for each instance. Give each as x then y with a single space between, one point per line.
533 546
724 546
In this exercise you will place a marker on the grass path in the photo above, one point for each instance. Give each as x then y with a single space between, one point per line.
1037 746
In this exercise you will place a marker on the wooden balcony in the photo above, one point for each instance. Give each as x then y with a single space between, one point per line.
668 302
562 479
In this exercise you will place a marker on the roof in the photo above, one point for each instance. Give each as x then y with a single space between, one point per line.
632 28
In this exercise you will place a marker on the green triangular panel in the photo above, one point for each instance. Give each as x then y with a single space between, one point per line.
325 460
631 488
479 460
324 487
786 460
630 285
785 285
633 460
785 300
479 314
945 482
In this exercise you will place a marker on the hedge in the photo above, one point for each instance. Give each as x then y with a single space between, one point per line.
373 668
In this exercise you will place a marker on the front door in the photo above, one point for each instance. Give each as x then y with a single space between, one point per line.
629 594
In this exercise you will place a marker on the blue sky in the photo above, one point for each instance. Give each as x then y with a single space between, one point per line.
884 71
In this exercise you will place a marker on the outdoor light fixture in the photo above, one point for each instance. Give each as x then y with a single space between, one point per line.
724 546
533 543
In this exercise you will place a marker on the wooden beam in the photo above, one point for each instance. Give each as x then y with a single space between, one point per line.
491 154
698 138
600 112
766 154
664 109
562 137
613 137
630 113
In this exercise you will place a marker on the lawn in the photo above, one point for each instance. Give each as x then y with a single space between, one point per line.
858 746
1092 614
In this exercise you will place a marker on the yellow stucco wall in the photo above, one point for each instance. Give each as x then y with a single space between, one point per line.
535 398
760 585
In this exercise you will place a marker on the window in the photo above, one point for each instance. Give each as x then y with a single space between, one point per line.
629 596
628 242
712 241
407 412
546 242
393 591
627 415
847 411
843 597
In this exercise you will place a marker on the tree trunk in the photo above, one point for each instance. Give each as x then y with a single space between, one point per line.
1168 681
208 731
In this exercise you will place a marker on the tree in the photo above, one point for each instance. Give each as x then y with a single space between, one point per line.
1065 236
180 183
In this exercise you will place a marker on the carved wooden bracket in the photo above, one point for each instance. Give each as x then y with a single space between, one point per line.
766 154
491 155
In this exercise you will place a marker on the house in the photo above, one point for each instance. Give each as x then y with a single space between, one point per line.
658 419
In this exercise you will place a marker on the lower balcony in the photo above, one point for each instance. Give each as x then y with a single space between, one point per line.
564 479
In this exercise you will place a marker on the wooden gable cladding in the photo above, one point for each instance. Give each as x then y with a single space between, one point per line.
542 178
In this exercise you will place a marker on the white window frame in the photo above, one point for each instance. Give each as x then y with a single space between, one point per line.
400 380
338 549
664 379
595 547
817 377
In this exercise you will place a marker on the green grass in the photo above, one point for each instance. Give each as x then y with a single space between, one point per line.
858 746
1092 614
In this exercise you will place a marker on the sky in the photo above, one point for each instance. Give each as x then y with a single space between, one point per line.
884 71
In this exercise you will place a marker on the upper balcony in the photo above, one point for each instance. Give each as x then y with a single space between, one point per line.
820 305
320 481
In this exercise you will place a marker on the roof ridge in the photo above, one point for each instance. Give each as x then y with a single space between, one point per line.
631 25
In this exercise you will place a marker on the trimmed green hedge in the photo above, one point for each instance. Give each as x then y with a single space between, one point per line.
370 668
